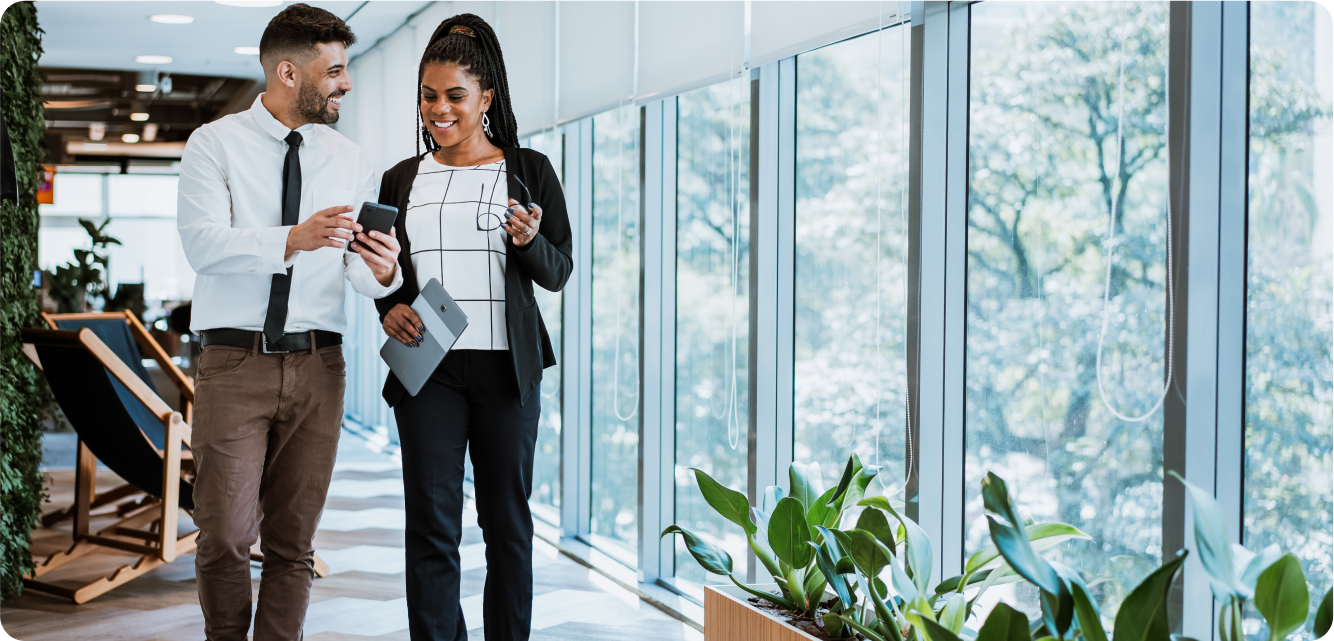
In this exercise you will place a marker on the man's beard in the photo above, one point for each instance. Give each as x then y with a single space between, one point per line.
312 107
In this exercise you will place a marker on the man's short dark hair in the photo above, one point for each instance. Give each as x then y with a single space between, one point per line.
294 32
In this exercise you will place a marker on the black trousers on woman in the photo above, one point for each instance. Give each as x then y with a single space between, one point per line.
470 404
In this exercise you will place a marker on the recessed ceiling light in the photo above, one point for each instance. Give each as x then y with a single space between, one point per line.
153 60
139 117
167 18
247 51
251 3
130 138
145 88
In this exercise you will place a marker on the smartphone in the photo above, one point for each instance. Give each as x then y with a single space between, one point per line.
377 217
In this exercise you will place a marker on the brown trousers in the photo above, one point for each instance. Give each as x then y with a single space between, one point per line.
265 437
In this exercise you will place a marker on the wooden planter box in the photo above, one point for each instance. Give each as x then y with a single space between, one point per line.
728 616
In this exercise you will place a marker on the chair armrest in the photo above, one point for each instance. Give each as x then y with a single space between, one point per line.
150 345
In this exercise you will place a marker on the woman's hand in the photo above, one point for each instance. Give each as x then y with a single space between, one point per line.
403 325
380 251
522 225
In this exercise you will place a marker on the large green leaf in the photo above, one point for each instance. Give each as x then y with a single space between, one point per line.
849 471
827 557
1143 614
1254 563
1004 624
804 483
1324 614
868 554
1012 541
931 630
731 504
874 521
918 557
1212 543
820 513
954 613
709 556
788 533
865 631
1042 535
1086 613
767 596
1281 596
856 490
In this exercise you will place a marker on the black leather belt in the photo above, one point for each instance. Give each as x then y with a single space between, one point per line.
296 342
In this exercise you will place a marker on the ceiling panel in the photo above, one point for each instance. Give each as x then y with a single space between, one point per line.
109 35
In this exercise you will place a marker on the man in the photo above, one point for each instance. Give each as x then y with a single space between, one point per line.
263 208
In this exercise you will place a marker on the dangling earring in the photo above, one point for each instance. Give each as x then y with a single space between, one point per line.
486 125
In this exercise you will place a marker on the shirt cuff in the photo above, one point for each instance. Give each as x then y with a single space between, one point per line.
273 250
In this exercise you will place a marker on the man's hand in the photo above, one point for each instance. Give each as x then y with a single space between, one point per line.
403 325
326 228
380 251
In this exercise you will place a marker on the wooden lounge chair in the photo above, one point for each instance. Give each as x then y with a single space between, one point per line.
122 422
129 340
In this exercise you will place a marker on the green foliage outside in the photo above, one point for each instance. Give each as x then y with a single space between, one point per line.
20 438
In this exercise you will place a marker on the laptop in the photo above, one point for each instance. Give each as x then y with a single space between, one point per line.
444 322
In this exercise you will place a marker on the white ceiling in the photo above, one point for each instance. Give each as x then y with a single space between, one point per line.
108 35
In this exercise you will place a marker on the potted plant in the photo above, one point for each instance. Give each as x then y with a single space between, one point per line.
873 580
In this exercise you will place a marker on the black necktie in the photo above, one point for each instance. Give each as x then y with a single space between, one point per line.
276 319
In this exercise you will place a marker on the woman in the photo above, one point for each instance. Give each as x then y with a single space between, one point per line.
468 218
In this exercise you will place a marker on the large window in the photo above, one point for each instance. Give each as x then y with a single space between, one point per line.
1066 313
615 360
1289 287
546 460
712 310
851 256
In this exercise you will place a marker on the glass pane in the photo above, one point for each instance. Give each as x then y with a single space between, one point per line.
851 255
1290 284
1054 87
546 461
616 327
712 311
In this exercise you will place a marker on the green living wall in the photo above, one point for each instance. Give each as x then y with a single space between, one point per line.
20 437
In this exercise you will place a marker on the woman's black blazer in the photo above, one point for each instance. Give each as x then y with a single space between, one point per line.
546 260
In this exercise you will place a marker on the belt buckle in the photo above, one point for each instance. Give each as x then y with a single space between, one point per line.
264 347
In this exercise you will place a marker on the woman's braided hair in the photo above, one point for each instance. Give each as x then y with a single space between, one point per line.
466 40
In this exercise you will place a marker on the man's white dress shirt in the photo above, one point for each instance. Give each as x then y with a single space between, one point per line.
229 214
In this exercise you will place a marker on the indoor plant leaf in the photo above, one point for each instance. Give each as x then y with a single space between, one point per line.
820 513
1004 624
1324 614
825 557
850 470
1143 613
804 481
788 533
868 554
709 556
954 613
1212 542
931 630
1256 563
1012 541
874 521
918 557
775 599
1281 596
1086 613
1048 534
729 503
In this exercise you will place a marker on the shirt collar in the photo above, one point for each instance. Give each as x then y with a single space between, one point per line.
271 126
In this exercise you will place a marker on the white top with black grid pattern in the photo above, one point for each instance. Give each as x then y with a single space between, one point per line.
453 223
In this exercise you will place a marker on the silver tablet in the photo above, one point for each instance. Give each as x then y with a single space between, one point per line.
444 322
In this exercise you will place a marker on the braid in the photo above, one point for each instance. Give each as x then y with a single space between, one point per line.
477 49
